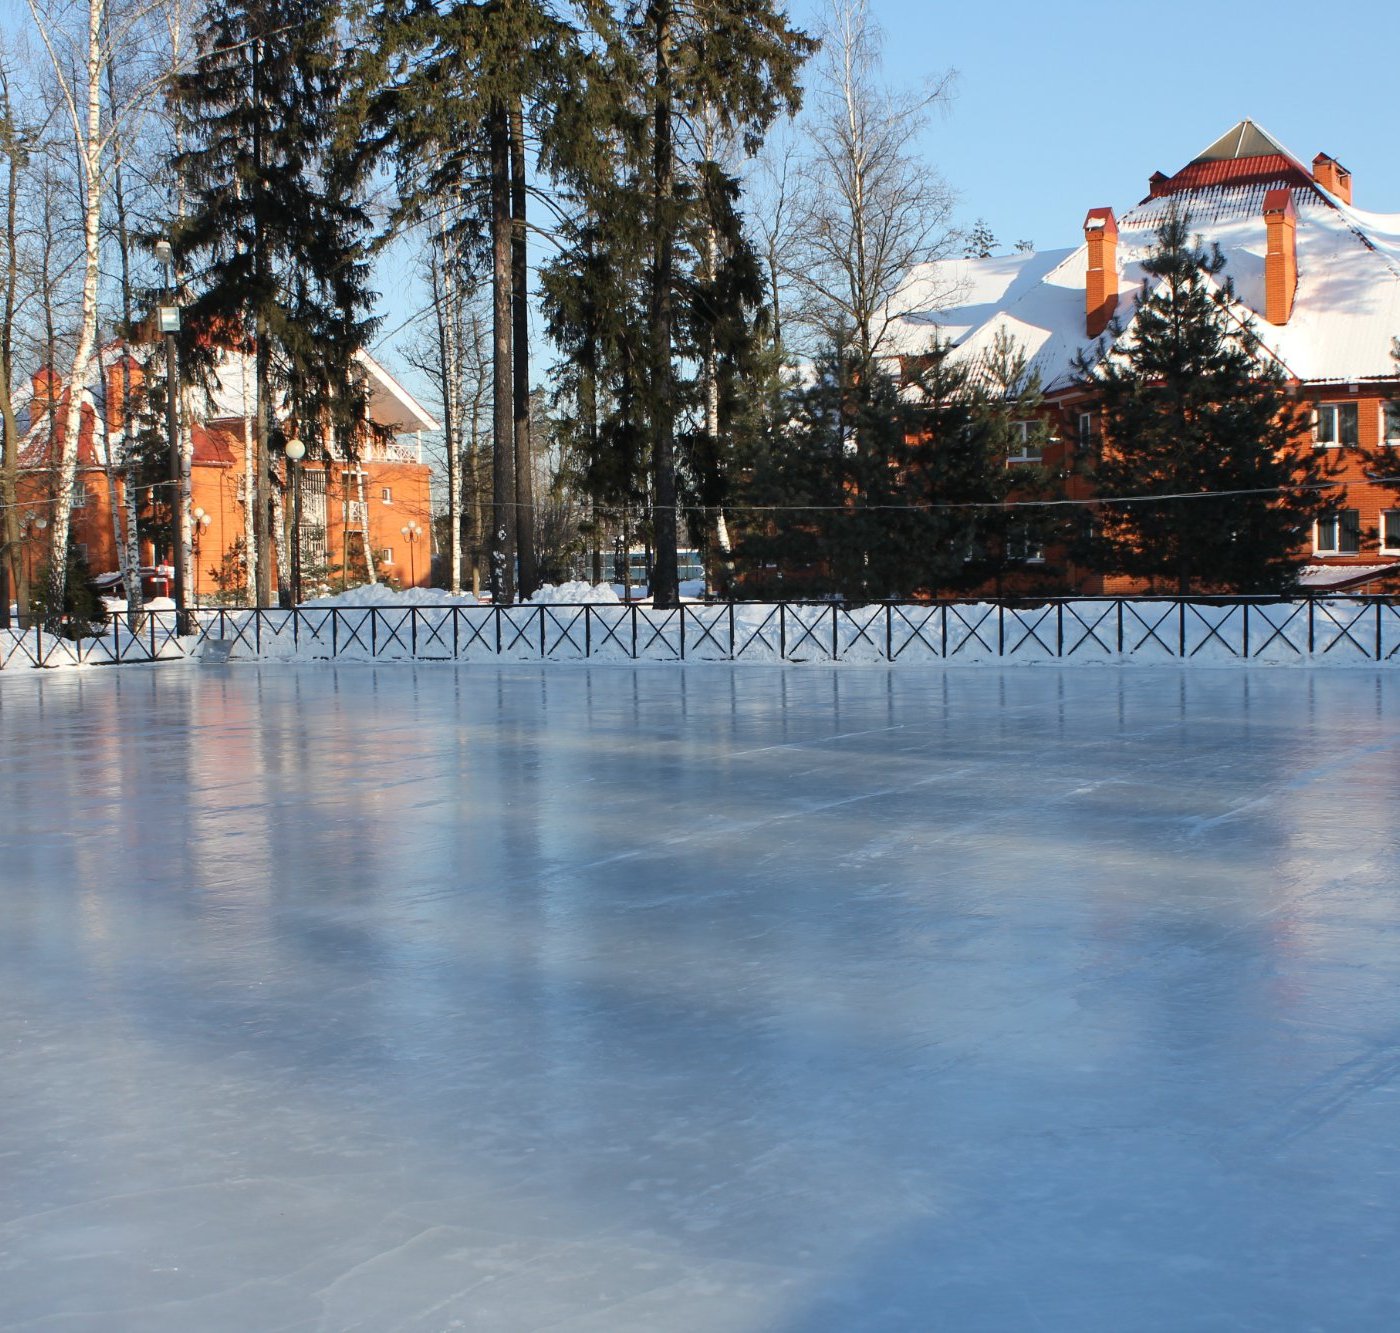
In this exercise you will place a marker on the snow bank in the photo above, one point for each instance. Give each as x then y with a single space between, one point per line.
378 594
576 593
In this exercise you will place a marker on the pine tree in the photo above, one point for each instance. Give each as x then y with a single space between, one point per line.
1196 412
981 242
737 60
277 228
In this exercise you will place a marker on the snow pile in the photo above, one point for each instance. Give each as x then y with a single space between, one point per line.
379 594
577 593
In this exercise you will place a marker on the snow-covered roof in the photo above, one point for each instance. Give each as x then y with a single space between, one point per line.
1346 312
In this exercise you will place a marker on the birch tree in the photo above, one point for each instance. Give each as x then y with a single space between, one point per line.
872 209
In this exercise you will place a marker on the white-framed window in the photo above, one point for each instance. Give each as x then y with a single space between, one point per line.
82 549
386 494
1390 422
80 494
1026 444
1337 425
1022 546
1086 430
353 512
1338 534
386 556
1390 531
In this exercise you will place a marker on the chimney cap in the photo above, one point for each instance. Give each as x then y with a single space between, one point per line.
1101 219
1279 201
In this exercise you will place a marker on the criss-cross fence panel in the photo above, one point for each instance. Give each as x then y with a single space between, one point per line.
1345 631
612 633
862 633
916 633
708 633
810 634
317 632
1151 630
759 633
659 634
522 633
1389 614
1211 632
474 633
1030 634
566 632
1089 631
393 633
972 630
432 633
1277 631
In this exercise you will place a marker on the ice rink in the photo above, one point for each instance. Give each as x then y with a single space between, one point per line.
660 999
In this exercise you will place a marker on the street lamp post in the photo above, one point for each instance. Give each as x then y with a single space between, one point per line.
34 526
170 326
296 451
197 530
411 532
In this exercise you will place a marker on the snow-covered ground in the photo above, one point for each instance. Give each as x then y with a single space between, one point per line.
604 998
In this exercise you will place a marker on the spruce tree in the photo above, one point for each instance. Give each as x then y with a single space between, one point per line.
735 61
277 229
1196 412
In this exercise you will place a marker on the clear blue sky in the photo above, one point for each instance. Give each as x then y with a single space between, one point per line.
1065 107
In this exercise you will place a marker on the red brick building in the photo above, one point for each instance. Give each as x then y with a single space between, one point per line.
1317 277
351 509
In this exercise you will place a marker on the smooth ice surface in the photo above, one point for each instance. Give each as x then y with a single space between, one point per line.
661 999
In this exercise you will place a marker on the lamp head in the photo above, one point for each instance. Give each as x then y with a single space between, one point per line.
296 450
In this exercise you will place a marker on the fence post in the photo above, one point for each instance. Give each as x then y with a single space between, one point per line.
257 630
1378 631
889 632
732 640
835 639
456 632
1059 629
413 631
1312 604
1120 627
1246 631
1181 631
1001 629
373 634
496 608
544 652
335 633
681 608
587 632
634 631
782 631
943 637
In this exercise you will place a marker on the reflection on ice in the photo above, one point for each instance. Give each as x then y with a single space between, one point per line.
633 998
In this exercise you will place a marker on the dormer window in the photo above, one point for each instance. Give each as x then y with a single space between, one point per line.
1336 425
1026 445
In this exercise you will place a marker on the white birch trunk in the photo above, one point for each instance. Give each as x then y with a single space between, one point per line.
87 130
364 531
250 546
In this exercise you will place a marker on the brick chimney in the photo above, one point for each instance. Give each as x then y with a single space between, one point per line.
1332 176
134 380
1281 259
1101 286
1155 182
47 387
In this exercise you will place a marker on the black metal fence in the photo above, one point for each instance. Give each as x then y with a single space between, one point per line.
1308 630
1105 629
152 639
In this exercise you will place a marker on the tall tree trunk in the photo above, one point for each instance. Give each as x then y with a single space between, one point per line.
89 139
262 525
520 360
665 583
250 471
449 379
503 515
262 531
